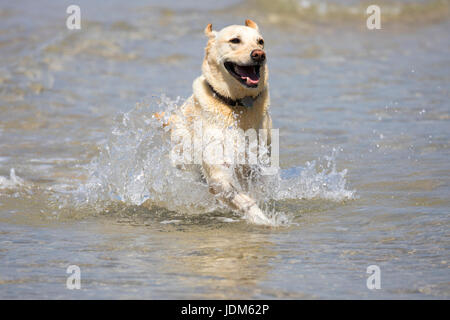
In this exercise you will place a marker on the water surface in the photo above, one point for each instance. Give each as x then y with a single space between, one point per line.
364 142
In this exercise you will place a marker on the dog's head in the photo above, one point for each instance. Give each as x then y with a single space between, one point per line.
235 60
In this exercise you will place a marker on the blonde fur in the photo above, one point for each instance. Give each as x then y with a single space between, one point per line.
215 113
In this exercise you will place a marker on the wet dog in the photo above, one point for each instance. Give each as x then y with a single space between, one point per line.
232 92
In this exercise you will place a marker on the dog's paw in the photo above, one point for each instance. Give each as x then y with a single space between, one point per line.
255 215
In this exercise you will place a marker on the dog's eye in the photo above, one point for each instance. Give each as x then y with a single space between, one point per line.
261 42
235 40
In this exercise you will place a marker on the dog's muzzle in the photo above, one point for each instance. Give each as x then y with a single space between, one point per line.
248 75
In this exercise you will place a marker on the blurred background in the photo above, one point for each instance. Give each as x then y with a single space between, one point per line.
373 103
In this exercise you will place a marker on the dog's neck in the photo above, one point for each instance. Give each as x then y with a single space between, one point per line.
222 113
244 102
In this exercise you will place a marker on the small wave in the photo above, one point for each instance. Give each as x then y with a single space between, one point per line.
134 168
329 11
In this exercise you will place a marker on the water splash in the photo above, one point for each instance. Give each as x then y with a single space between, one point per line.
315 180
13 182
134 167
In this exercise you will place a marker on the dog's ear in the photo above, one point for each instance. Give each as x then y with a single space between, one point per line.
251 24
210 33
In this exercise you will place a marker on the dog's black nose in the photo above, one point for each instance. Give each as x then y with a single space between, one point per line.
258 55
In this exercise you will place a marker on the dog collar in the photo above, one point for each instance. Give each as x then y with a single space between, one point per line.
245 102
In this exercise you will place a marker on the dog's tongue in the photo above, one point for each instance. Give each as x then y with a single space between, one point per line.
248 74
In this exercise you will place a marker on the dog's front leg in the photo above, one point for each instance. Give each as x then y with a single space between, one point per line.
223 184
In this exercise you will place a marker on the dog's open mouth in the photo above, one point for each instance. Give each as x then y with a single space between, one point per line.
247 75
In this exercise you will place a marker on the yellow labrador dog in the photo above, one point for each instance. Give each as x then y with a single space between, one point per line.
232 92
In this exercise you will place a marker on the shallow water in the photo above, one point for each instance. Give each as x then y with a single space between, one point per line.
364 149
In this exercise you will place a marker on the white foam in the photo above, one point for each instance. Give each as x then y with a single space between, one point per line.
12 182
170 221
227 220
315 181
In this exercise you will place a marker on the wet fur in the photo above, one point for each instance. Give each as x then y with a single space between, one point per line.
214 113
